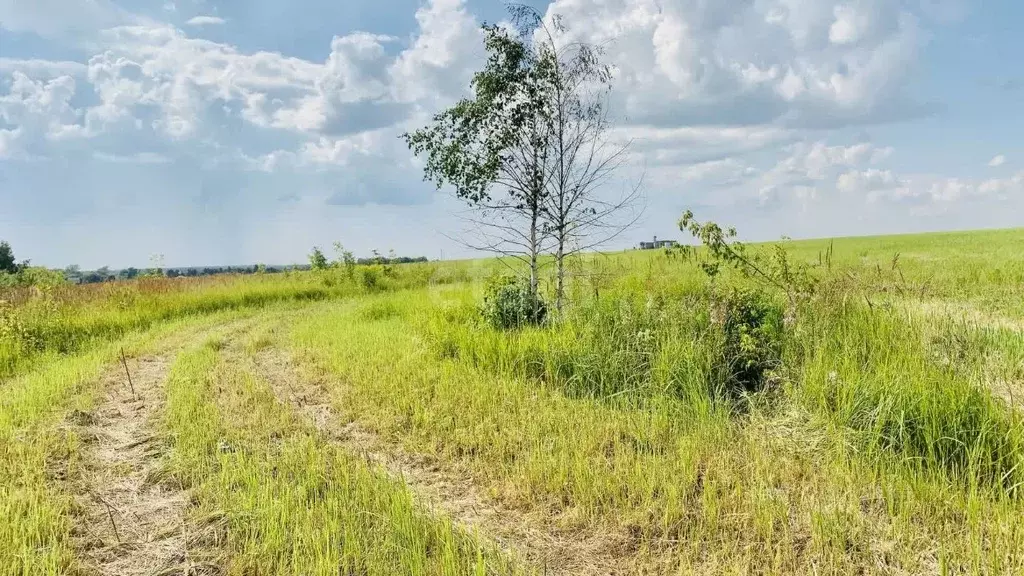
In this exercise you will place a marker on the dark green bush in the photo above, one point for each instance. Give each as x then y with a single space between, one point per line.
752 325
509 304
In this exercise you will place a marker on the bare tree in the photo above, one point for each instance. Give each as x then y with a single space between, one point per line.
493 150
579 212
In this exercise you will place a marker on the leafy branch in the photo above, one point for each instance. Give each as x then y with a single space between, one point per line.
776 269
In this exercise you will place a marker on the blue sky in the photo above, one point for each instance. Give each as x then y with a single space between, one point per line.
227 132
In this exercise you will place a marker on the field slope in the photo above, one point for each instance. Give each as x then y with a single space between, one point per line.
369 421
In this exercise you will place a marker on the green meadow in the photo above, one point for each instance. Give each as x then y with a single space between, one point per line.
369 419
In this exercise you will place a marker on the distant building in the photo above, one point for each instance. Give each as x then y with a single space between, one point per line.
658 244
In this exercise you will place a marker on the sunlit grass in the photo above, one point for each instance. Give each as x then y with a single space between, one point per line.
889 439
293 502
66 319
871 456
40 451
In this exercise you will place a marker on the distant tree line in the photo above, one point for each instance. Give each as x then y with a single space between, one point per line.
14 273
105 274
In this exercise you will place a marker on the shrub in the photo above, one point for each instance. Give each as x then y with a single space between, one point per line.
372 278
509 304
317 260
752 326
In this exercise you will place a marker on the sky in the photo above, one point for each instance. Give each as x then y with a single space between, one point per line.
221 132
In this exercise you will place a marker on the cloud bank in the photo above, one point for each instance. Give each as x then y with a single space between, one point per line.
199 149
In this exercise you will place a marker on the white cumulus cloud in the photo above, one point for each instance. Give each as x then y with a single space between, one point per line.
725 103
795 62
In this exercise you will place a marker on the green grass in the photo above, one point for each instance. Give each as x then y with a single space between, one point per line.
40 454
72 318
783 485
889 437
293 502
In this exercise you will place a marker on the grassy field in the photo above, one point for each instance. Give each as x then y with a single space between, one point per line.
367 421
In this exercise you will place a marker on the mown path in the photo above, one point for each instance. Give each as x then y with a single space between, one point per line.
446 490
130 522
132 519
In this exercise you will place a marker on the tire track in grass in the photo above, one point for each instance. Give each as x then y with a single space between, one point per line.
131 521
130 524
443 489
290 501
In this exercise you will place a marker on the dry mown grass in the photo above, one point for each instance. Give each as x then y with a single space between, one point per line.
448 490
129 522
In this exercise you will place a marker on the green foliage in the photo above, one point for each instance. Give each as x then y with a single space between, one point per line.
372 277
509 304
317 260
633 343
7 262
776 269
344 259
528 149
32 276
385 265
468 145
752 330
494 148
42 277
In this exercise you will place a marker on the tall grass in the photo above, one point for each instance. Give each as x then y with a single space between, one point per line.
806 476
34 536
628 343
293 502
68 318
895 381
907 385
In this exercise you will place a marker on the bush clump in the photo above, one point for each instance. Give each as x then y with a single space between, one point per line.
752 326
509 304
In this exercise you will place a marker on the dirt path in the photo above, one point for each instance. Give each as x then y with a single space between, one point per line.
130 524
452 493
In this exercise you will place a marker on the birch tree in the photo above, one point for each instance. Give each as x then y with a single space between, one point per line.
579 209
492 149
530 152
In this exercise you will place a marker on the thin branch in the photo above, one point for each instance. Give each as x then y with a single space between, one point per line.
110 515
129 374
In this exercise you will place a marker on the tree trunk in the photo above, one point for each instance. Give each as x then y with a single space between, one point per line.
534 280
560 286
